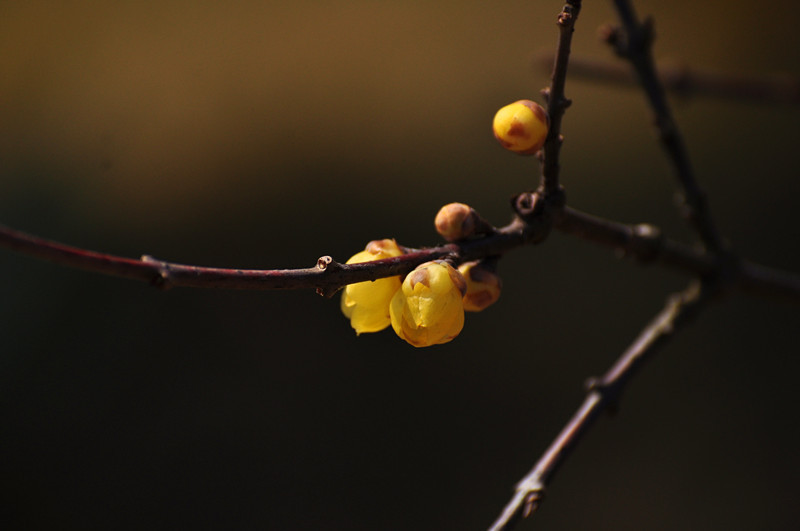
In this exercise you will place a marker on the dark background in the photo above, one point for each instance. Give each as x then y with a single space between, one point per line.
258 135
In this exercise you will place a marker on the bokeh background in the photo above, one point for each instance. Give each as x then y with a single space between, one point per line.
265 134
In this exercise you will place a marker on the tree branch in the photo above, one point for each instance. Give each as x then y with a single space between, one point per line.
327 276
641 242
685 81
557 102
603 393
634 43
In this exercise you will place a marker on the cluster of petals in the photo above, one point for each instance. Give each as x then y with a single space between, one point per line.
366 304
428 309
427 306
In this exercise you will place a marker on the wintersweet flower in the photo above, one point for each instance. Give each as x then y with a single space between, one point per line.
521 127
428 308
366 304
483 286
455 221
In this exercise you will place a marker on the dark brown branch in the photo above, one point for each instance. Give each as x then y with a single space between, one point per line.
641 242
645 243
603 393
766 281
686 82
557 102
634 43
327 276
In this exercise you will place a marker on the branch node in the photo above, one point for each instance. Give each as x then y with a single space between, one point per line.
161 280
569 13
328 291
329 266
545 92
605 389
531 502
646 242
527 204
539 210
593 383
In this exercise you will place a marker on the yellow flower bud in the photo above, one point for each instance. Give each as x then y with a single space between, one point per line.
366 304
428 308
521 127
483 286
455 221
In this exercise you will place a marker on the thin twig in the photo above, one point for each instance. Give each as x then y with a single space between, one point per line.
603 392
557 102
686 82
634 43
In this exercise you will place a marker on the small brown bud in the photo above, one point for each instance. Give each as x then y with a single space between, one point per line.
457 221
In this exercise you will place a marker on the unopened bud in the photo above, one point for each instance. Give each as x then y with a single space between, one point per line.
521 127
483 286
457 221
428 309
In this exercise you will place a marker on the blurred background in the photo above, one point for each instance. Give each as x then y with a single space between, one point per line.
266 134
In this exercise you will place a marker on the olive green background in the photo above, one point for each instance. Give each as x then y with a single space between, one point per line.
259 135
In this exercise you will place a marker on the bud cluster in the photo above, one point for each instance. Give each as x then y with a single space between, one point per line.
427 306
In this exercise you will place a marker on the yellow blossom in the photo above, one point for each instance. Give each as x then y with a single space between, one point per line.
428 309
483 286
521 127
366 304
